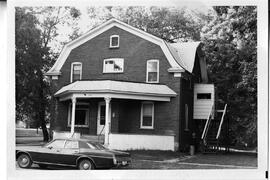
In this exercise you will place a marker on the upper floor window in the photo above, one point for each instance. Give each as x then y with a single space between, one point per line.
147 115
152 71
76 71
113 65
114 41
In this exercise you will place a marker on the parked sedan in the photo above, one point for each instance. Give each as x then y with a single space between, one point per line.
71 152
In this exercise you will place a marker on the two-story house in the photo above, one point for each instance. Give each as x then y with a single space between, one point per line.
131 87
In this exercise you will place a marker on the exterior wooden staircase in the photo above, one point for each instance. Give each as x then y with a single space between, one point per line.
212 130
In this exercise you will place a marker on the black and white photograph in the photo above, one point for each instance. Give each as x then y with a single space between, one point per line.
131 90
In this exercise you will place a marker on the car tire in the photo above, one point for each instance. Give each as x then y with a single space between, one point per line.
24 160
43 166
85 164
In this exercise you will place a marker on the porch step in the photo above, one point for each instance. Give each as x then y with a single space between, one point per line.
94 138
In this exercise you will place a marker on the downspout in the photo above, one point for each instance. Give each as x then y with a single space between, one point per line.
180 113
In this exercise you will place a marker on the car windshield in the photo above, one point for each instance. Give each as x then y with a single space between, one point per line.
96 146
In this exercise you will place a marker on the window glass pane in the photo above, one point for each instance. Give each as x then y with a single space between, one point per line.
118 66
147 109
57 144
71 144
152 76
204 96
186 116
76 77
91 146
77 67
102 115
80 117
147 121
114 41
152 67
147 115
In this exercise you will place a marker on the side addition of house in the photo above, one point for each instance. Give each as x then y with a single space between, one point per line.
129 89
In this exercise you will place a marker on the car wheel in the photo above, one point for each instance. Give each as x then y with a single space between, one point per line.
43 166
24 161
85 164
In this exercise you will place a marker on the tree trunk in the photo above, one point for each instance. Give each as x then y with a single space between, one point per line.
41 110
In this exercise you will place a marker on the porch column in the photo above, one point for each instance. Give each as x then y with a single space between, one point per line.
73 116
107 120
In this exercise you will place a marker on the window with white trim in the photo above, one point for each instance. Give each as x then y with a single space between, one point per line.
147 115
114 41
76 71
81 115
152 71
113 65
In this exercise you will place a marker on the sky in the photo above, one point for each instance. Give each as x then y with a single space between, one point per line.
85 24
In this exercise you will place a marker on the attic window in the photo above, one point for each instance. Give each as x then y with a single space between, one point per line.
202 96
114 41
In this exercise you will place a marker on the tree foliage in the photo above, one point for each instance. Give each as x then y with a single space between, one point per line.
33 58
168 23
230 40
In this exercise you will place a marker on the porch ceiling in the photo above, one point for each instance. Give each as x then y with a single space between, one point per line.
116 89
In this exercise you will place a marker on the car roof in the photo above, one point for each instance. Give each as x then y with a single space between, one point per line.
76 139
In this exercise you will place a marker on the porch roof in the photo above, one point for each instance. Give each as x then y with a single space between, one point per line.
116 89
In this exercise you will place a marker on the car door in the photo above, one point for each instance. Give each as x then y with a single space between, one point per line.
50 153
69 153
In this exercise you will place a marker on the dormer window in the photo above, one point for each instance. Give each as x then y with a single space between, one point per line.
76 71
152 71
114 41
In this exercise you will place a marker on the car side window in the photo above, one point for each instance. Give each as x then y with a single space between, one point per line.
71 144
56 144
91 146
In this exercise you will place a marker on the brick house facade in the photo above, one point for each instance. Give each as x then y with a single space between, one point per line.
132 88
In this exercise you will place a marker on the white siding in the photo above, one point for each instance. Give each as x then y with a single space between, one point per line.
202 107
139 141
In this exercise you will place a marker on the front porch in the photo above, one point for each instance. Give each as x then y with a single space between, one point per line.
121 118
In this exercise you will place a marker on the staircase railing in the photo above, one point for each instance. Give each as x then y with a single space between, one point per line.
221 121
207 124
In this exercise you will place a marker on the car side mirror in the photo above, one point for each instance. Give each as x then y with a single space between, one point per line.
50 147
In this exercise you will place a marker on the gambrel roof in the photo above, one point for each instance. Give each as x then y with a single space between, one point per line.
181 56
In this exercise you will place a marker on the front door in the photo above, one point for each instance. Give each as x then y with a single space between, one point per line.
101 118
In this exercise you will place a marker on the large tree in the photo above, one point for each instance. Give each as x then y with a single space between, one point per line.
30 101
35 29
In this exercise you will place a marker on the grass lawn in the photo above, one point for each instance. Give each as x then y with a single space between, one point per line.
176 160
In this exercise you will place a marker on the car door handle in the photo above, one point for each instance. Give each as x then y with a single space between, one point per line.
57 150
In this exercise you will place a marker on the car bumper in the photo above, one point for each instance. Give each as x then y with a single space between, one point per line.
123 163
